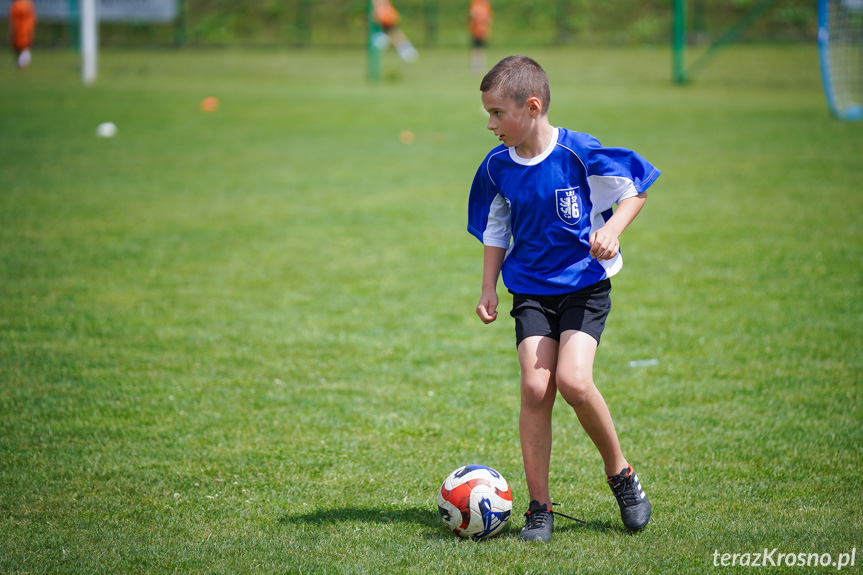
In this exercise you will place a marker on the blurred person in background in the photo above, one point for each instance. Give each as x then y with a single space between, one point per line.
480 29
22 25
386 16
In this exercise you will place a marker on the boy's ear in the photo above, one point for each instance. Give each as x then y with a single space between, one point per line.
534 106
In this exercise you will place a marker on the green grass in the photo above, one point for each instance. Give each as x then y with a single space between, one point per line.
244 341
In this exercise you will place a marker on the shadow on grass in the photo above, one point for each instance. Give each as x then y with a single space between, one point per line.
425 517
422 516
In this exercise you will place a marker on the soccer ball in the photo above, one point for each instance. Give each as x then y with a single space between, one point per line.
475 502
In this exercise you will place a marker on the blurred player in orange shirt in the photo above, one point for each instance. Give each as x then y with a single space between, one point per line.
387 18
22 24
480 30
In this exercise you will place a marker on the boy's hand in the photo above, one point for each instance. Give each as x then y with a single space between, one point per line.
604 244
486 309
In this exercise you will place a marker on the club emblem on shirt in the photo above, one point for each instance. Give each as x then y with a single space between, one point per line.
568 207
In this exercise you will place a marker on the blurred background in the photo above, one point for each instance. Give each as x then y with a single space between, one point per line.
342 23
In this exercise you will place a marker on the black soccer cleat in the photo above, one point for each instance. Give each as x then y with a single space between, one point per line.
538 522
633 502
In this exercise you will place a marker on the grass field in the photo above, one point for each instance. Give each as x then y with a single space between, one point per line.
244 341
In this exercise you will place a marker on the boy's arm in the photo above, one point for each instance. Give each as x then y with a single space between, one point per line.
492 261
605 242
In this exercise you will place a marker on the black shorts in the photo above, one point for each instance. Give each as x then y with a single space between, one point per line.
550 316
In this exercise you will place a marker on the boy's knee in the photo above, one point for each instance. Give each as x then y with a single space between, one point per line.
575 388
536 394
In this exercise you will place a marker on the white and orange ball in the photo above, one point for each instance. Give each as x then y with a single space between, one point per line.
475 502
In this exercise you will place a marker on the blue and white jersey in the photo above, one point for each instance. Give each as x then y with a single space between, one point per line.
544 209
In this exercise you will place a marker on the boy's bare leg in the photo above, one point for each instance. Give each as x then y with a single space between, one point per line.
575 382
537 357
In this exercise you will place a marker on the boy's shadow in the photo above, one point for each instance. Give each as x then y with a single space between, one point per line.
426 517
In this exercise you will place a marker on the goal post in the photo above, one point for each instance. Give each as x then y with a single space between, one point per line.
373 52
679 39
89 41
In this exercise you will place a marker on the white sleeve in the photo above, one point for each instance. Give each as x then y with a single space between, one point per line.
498 232
605 191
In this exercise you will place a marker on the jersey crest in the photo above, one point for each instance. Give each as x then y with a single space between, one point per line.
568 206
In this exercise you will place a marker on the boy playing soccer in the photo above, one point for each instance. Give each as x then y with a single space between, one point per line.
386 16
22 23
479 24
541 204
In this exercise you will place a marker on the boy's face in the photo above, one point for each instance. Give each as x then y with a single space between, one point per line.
510 122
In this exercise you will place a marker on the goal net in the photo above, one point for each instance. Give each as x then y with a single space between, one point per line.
840 44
